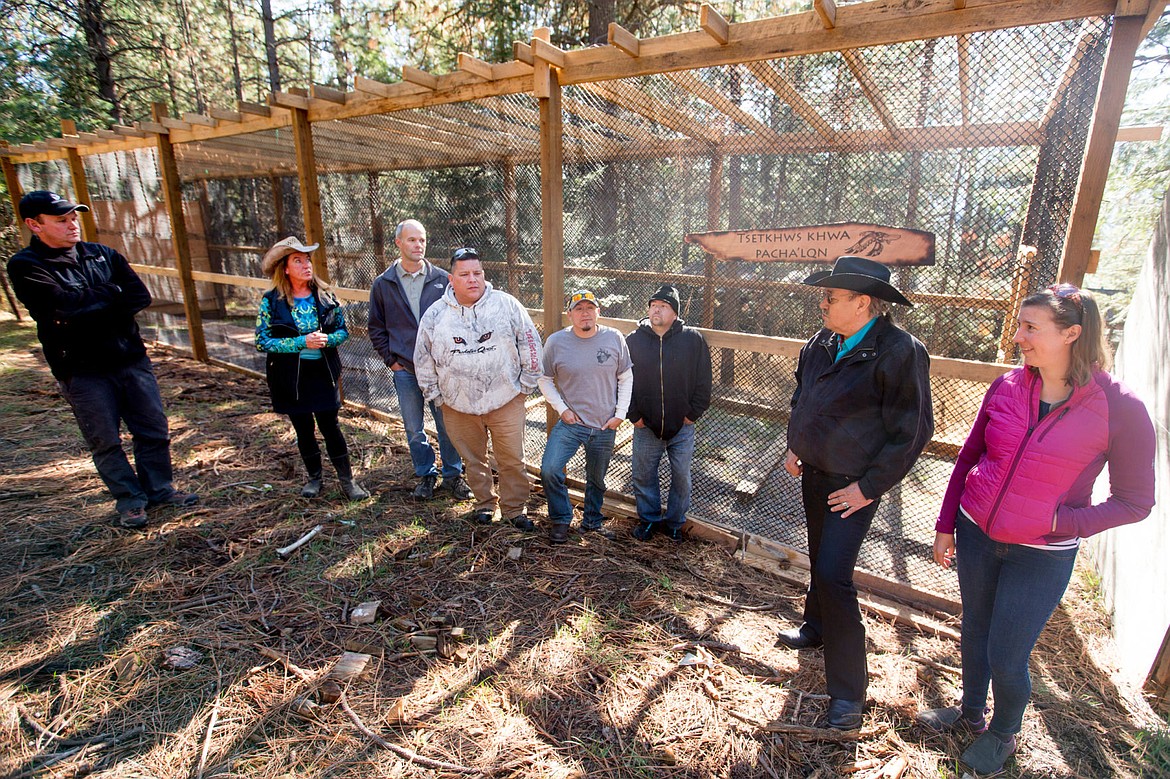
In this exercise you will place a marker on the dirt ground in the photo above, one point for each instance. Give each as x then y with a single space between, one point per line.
493 653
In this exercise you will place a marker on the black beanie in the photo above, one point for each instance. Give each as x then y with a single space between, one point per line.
668 295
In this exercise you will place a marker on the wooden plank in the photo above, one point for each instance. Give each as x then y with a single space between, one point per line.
174 124
623 39
15 193
1152 132
288 100
767 75
713 23
826 11
522 52
225 116
762 466
543 50
153 127
194 119
1099 150
172 187
1072 63
860 71
475 66
329 94
63 143
717 100
421 77
963 46
1132 8
253 108
310 193
400 89
80 185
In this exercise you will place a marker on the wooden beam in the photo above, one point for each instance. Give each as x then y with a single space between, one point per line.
225 116
15 193
401 89
639 102
174 124
310 192
254 108
552 211
172 187
963 47
1132 8
873 94
522 52
858 25
193 119
767 74
328 94
713 23
544 50
80 185
1072 63
826 10
63 143
420 77
720 102
960 5
475 66
1143 133
288 100
1127 36
623 39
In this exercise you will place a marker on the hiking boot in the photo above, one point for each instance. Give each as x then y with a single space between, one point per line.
134 518
603 532
558 533
644 530
176 498
425 489
675 534
457 486
989 752
483 516
952 718
522 522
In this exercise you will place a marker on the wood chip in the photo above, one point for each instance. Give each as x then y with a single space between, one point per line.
365 613
349 665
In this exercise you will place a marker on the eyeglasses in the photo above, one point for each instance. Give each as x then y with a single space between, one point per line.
1069 292
466 253
579 295
828 298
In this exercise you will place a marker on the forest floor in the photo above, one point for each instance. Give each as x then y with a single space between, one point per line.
191 649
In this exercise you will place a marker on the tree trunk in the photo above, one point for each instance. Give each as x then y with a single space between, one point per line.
601 13
341 59
192 57
92 15
237 81
270 44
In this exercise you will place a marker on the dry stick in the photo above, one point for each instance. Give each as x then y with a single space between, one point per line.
207 739
285 551
94 745
950 669
402 752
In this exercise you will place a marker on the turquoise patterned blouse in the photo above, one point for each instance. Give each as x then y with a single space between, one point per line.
304 313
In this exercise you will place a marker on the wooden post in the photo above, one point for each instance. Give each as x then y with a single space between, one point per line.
1157 684
14 195
377 233
80 184
1127 35
310 194
278 205
1021 288
173 197
714 209
214 257
552 214
511 232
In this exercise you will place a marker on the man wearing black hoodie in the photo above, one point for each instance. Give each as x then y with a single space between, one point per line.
83 297
672 389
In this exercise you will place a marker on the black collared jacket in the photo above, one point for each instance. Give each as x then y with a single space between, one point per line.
84 309
868 416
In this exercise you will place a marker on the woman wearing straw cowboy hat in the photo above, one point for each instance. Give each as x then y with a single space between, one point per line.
300 325
861 414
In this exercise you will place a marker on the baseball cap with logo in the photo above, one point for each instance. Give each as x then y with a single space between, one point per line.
582 296
42 201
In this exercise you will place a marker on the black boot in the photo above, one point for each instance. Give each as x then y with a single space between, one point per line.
312 487
351 488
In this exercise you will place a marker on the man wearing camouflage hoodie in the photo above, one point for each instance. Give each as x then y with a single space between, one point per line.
477 357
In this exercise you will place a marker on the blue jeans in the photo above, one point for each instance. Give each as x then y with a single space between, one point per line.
410 404
648 451
831 612
100 404
563 442
1009 591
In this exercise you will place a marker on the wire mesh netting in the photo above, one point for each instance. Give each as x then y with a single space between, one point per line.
976 139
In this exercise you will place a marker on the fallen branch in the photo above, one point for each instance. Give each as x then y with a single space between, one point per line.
402 752
950 669
284 552
95 744
289 665
207 740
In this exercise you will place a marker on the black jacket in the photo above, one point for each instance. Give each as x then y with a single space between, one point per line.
869 415
392 326
84 309
283 369
672 377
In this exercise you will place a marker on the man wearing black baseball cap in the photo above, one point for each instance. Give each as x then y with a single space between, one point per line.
83 297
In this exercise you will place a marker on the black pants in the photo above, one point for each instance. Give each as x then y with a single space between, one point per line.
831 612
307 438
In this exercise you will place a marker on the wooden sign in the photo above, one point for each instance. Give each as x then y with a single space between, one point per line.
820 243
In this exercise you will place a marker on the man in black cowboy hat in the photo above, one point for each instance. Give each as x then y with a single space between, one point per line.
83 297
861 414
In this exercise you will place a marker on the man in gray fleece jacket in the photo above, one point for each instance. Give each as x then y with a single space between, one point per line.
477 357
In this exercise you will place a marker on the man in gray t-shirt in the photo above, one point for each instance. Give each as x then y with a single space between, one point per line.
588 378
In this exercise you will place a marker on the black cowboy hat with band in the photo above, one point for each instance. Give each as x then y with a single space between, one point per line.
858 274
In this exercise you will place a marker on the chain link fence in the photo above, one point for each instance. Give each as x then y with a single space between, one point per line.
977 139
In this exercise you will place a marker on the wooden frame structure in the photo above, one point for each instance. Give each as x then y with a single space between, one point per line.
514 113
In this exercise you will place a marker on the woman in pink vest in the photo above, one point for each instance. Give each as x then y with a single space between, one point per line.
1020 501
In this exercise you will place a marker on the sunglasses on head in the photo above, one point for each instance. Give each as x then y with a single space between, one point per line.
466 253
582 294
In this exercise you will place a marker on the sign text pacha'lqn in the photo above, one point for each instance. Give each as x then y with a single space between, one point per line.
820 243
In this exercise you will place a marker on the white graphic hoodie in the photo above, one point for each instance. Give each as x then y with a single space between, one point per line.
477 358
